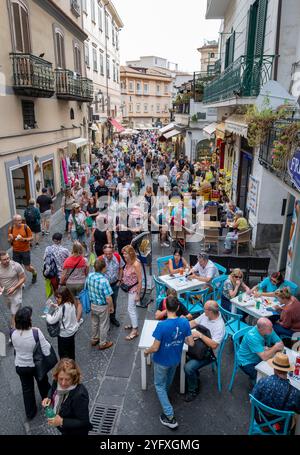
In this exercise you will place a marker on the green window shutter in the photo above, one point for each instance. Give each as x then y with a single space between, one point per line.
229 55
251 30
261 28
227 52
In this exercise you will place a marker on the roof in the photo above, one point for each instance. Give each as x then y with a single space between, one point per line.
145 72
114 13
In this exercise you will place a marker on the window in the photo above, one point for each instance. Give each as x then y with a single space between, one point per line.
28 114
118 74
158 89
166 89
84 6
145 107
158 108
101 63
106 26
95 60
229 54
117 40
75 7
93 11
107 66
211 55
131 86
138 88
166 108
60 48
130 108
146 87
138 107
113 33
100 18
77 59
72 115
114 71
87 54
21 27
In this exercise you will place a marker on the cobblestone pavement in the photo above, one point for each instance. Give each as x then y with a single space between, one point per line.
112 377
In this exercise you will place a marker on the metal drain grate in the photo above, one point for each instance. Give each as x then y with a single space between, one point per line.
103 419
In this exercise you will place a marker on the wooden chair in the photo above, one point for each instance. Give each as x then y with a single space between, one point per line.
178 235
211 237
244 237
212 211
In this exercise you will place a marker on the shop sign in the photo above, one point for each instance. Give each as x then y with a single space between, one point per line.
252 195
294 169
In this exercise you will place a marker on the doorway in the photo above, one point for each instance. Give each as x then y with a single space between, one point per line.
48 176
244 174
21 188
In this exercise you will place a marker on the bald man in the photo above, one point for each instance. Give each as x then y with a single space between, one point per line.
212 320
260 343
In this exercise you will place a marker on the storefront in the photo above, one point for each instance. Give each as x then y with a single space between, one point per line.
78 151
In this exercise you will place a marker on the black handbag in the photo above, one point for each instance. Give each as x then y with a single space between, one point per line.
54 329
43 364
127 288
200 350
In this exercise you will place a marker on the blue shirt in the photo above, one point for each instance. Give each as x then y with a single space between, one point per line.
98 288
267 286
171 334
253 342
273 392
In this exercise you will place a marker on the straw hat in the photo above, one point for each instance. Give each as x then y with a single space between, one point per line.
281 362
75 206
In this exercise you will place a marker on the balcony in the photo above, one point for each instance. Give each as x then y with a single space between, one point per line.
243 78
216 9
71 86
268 159
32 76
200 80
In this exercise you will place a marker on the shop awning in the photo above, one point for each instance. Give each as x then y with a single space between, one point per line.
166 128
209 130
237 124
171 133
116 124
80 142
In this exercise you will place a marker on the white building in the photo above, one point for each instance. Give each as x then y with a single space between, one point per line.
102 24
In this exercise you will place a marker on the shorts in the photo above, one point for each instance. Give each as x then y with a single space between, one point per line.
14 301
46 215
80 238
22 257
75 289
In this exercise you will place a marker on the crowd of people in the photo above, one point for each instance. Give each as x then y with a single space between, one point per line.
105 205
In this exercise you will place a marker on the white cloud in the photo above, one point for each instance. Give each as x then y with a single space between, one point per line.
172 29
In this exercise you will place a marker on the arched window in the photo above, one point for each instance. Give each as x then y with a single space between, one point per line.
20 27
60 48
72 115
77 58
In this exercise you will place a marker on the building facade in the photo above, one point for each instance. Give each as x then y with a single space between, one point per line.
102 24
208 56
44 102
259 52
146 97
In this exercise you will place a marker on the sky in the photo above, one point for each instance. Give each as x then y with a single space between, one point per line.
172 29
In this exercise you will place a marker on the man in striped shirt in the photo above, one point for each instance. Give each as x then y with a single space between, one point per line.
100 294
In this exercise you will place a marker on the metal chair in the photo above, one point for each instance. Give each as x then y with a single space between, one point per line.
217 284
293 286
237 339
160 290
221 269
162 265
194 300
272 421
218 361
232 321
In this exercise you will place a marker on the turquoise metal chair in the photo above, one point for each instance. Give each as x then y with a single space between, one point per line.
162 262
237 339
217 284
221 269
160 290
293 286
194 300
217 363
277 425
232 321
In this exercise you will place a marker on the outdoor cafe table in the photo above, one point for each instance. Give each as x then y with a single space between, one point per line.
146 340
264 369
180 283
248 305
205 224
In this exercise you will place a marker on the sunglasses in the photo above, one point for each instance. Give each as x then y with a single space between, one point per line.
237 276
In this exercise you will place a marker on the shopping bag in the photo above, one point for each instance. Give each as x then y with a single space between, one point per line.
48 288
92 259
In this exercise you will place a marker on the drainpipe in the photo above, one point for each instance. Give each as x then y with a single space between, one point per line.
277 43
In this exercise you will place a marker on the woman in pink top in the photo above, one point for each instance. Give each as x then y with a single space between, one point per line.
132 276
289 320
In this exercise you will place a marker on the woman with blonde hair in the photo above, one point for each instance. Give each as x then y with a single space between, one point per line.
132 284
233 286
68 400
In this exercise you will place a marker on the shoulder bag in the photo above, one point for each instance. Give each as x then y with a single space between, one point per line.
79 229
65 279
54 329
43 364
200 350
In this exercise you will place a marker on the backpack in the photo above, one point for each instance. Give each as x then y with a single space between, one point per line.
52 267
200 350
54 329
30 216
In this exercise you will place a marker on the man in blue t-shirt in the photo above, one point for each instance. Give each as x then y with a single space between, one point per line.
170 336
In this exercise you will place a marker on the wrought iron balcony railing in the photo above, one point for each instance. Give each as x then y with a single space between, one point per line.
32 76
71 86
268 158
243 78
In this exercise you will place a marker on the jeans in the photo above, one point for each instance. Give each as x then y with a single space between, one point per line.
80 238
27 376
115 288
191 369
132 310
66 347
155 188
280 330
163 378
250 370
229 239
67 215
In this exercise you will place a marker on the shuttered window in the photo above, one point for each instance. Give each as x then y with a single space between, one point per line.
28 114
251 30
77 59
60 49
261 27
21 27
229 55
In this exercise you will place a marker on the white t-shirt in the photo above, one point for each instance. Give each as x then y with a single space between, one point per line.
215 326
209 271
80 218
162 181
68 324
24 343
123 190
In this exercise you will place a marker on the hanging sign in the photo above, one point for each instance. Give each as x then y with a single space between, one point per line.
252 194
294 169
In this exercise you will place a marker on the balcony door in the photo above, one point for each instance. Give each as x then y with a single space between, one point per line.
60 49
20 27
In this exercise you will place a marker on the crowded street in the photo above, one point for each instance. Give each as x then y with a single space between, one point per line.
150 228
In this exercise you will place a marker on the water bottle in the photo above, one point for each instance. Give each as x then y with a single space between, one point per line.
47 306
49 412
257 306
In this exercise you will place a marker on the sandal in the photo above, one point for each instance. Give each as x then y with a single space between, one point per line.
128 327
132 336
